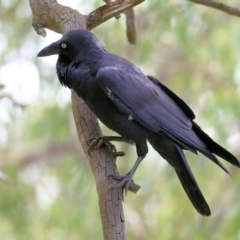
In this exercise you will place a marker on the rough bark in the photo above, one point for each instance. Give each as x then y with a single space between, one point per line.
49 14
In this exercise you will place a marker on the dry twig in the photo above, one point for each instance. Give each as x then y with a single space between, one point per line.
219 6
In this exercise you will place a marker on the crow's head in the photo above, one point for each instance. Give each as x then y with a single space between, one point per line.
72 45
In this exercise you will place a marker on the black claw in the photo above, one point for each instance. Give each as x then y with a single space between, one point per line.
118 154
92 145
125 181
97 142
116 177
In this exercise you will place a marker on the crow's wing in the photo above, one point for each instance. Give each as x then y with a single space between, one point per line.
187 110
152 106
133 93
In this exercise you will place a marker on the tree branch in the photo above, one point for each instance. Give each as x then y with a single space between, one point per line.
12 100
130 26
56 17
107 11
61 19
219 6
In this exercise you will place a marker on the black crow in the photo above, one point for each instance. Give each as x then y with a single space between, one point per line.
136 106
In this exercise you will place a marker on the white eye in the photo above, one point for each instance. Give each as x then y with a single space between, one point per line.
64 45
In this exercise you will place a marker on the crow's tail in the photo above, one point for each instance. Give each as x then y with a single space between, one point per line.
215 148
190 185
174 155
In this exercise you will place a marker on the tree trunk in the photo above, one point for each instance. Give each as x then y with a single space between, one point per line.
49 14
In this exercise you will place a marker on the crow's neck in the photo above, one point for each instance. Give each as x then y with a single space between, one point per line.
62 68
90 56
76 76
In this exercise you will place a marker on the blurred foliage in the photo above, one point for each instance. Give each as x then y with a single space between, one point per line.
50 192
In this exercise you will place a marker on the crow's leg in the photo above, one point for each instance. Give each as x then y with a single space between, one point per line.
96 143
125 181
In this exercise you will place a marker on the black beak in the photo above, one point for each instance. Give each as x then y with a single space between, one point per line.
51 49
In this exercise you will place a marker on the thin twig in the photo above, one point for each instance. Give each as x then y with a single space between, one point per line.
107 11
219 6
12 100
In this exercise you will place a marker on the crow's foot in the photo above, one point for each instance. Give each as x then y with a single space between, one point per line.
125 181
96 143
